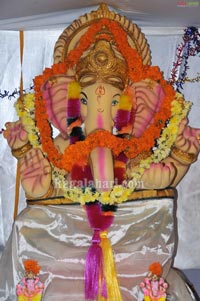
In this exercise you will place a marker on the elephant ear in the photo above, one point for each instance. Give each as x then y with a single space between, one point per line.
148 97
54 92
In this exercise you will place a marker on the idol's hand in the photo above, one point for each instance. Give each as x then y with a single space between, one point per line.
15 134
35 171
158 176
188 139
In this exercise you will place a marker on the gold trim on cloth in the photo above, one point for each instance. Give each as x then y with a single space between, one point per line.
149 194
135 196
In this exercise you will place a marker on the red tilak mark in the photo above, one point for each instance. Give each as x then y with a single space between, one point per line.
100 90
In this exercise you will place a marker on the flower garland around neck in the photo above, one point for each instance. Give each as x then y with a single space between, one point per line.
119 193
81 149
35 120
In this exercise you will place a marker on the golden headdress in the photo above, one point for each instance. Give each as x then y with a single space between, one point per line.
102 63
101 59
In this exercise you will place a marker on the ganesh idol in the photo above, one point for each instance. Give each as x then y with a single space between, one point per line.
101 145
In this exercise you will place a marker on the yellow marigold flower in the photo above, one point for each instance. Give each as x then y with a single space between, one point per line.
117 190
29 101
32 137
27 121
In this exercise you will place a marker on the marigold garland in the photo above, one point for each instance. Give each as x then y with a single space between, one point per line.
137 71
81 149
119 193
173 110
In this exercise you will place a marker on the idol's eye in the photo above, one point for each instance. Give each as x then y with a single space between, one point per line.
115 102
84 101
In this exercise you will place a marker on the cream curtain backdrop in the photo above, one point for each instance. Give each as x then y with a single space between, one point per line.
38 54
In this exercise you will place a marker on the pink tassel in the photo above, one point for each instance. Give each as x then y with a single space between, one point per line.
95 283
94 280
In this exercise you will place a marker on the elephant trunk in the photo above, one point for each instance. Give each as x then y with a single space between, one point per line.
101 159
102 168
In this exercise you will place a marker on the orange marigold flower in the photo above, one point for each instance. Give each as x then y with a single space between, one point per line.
59 68
38 80
31 266
156 268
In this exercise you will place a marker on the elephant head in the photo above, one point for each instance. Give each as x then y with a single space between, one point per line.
103 105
